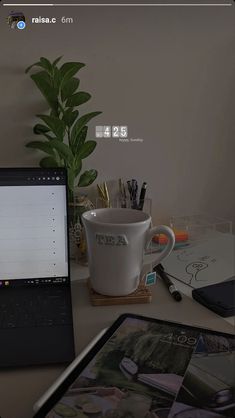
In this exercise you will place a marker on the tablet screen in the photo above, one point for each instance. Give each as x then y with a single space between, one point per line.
153 369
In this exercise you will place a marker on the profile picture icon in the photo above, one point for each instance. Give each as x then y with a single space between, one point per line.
16 20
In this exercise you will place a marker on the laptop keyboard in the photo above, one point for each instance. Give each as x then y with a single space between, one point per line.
35 308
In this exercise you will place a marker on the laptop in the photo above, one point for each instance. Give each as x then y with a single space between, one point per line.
35 297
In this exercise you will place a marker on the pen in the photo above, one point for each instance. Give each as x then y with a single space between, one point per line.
132 189
129 186
122 193
170 285
104 194
142 196
134 194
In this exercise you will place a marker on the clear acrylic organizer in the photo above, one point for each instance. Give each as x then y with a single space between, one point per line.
201 225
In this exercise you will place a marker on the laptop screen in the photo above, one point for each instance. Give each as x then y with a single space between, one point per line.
33 226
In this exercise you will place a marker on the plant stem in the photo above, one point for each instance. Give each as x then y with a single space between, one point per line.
70 195
69 137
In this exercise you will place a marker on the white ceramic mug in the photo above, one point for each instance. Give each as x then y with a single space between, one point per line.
116 241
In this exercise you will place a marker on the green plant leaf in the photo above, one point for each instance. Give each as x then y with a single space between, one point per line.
57 60
87 178
42 146
77 165
48 162
40 129
56 125
36 64
56 79
45 63
70 116
46 89
53 113
86 149
49 137
69 88
78 99
42 75
77 144
81 122
69 69
63 150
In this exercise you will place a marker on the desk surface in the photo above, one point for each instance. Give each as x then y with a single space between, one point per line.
19 389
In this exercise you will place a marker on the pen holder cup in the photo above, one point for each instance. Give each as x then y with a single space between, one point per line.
117 202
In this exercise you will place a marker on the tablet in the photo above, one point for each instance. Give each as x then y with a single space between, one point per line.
148 368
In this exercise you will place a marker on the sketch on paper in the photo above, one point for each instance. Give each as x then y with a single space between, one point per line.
203 263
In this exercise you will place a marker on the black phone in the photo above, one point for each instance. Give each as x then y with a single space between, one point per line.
219 297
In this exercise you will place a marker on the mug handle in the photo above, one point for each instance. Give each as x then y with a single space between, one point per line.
165 230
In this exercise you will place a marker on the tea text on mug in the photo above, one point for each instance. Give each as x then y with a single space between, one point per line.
114 240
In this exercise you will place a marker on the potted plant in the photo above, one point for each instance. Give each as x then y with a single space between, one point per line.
62 132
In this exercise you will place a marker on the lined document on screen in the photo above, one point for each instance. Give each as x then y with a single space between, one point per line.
33 238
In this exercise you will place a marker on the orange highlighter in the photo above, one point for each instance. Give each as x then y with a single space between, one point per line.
180 237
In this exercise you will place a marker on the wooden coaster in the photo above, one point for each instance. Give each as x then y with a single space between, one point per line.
141 295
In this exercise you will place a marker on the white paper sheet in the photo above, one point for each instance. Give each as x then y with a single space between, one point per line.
204 262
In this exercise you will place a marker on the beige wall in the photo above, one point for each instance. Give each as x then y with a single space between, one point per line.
168 73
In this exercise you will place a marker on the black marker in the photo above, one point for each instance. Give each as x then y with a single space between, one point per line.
134 194
142 196
129 187
170 285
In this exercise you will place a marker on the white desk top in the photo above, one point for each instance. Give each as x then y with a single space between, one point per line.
81 273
